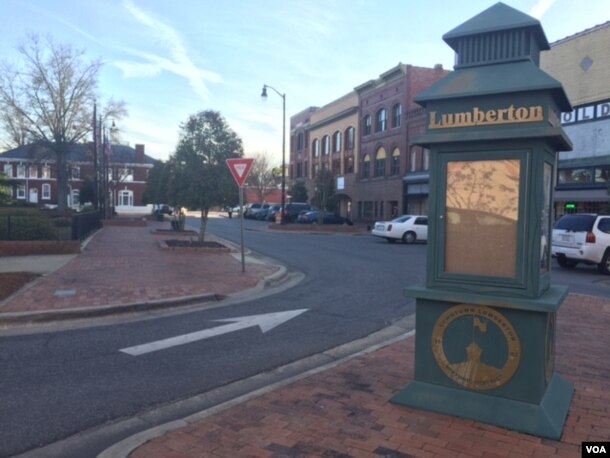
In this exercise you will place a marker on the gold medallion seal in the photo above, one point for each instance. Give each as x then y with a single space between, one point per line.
473 373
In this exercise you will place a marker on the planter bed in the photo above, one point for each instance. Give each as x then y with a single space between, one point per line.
174 232
190 246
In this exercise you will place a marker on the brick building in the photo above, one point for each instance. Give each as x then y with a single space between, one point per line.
363 137
582 63
32 167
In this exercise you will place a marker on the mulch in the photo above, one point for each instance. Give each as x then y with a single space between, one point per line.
11 282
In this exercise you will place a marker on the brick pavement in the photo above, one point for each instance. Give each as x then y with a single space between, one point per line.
124 265
345 412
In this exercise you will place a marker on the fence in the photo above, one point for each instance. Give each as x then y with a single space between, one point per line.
39 227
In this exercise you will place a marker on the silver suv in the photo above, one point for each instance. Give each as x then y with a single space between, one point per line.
582 237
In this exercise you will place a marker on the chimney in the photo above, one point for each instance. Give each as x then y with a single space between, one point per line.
139 153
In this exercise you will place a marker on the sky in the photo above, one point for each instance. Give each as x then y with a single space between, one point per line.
168 60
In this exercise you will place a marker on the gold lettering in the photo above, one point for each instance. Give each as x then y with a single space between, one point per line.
478 117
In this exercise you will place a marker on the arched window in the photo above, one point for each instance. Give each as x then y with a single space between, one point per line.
337 142
315 148
350 138
380 163
396 115
366 125
366 166
382 121
326 145
396 162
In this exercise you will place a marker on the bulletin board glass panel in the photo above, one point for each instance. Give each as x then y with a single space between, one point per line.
482 210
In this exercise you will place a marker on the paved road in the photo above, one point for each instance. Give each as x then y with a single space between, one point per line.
55 385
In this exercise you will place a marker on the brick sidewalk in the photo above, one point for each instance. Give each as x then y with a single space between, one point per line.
124 265
344 411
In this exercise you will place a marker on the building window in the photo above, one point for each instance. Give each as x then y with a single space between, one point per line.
300 141
426 159
337 142
366 166
125 198
33 169
412 159
46 172
380 163
21 171
396 115
382 121
396 162
125 174
46 191
575 176
315 148
350 135
367 124
75 197
75 173
20 192
8 170
349 164
299 170
326 145
337 166
602 174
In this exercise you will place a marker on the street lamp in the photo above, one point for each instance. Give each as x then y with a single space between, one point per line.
283 96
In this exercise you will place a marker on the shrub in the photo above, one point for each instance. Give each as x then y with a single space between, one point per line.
27 228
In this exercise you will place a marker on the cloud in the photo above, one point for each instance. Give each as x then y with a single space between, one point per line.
178 62
541 7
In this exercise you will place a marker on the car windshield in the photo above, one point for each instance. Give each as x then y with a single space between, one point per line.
576 223
402 219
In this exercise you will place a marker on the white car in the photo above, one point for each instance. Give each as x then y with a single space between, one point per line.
407 228
582 237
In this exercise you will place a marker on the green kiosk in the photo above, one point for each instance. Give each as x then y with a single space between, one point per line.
485 319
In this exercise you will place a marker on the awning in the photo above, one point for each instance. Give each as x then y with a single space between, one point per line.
582 195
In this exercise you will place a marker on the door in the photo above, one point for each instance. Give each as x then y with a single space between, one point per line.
34 195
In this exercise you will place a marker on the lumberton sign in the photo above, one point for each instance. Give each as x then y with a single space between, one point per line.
478 117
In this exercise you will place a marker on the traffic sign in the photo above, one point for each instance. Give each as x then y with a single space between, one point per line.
240 169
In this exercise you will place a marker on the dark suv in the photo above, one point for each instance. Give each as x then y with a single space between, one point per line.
582 237
291 212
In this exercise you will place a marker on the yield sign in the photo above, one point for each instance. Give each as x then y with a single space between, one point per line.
240 168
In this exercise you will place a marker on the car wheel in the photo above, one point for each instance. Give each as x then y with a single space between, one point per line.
409 237
390 240
566 263
604 266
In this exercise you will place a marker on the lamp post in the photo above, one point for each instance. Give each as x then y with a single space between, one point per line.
283 96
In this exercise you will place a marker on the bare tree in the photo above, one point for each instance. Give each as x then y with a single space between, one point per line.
261 177
49 100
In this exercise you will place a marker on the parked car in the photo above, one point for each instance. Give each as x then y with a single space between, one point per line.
251 210
329 218
272 211
407 228
293 209
262 213
582 237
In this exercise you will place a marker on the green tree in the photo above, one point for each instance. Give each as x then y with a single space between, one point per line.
49 100
6 189
87 191
324 193
299 191
199 176
156 185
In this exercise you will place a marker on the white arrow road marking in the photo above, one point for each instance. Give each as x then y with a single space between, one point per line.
265 322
